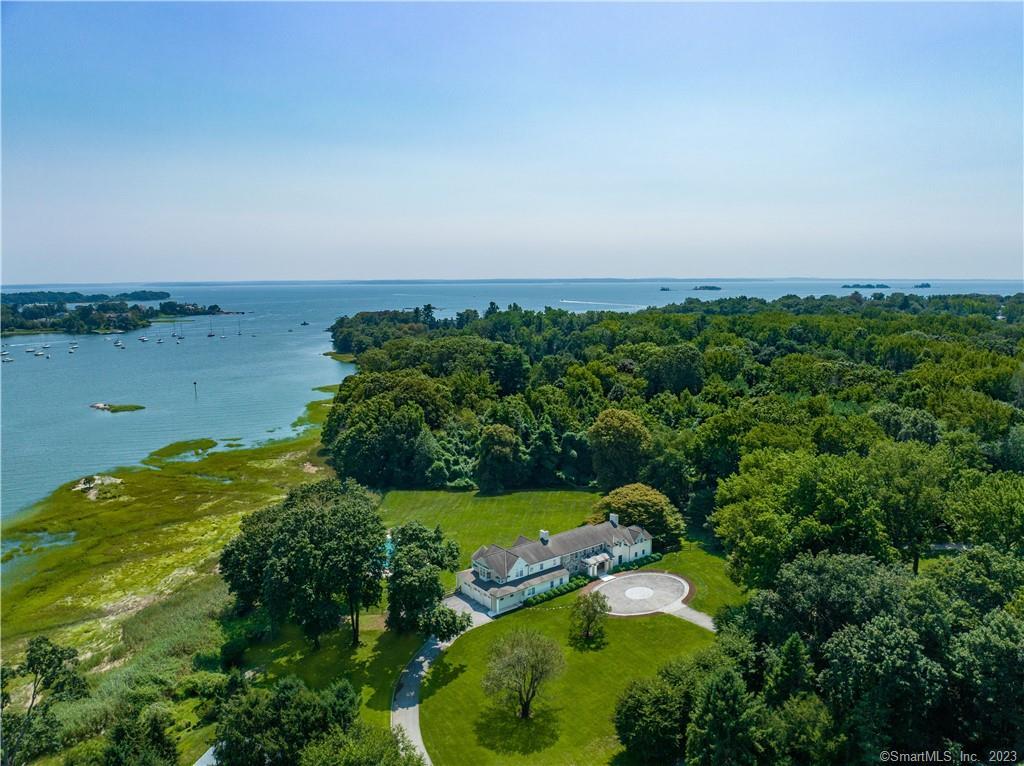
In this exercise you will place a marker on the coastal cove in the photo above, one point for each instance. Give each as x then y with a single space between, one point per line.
98 550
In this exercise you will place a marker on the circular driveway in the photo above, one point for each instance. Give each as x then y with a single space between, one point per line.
643 592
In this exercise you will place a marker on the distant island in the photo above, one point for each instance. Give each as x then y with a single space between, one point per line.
48 296
91 317
707 287
866 286
922 285
664 289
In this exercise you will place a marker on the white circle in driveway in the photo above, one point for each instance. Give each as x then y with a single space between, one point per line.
639 594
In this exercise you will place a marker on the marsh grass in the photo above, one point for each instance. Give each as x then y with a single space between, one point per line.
143 538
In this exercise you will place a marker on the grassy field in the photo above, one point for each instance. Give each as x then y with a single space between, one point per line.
572 723
474 519
82 561
712 587
124 407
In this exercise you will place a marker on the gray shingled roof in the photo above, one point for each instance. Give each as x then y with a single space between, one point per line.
501 560
494 589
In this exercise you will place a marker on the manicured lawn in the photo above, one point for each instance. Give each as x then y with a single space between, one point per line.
712 587
572 722
372 668
474 519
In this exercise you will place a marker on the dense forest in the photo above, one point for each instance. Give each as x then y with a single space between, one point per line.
860 461
25 298
103 316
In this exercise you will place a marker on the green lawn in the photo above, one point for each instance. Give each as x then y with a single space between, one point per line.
372 668
572 722
474 519
712 587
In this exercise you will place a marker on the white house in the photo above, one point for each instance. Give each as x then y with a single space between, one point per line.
502 578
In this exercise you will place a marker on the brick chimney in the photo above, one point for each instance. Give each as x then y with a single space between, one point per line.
614 519
544 536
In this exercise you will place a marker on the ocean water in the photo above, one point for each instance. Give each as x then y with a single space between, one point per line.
253 379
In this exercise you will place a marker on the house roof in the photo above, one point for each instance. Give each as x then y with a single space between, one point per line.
501 560
494 589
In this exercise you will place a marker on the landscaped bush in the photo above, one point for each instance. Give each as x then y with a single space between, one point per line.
575 583
637 563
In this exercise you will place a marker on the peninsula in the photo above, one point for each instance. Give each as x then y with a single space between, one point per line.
67 313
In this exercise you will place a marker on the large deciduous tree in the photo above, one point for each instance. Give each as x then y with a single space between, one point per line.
674 369
320 552
520 663
989 508
501 460
646 507
588 617
619 443
273 727
909 482
415 591
781 504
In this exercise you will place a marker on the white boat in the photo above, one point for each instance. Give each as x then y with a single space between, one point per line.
46 345
71 351
159 340
144 339
30 350
40 353
6 359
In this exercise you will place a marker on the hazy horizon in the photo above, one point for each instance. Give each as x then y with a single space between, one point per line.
180 142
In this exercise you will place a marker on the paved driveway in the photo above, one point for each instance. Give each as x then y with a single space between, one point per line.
405 706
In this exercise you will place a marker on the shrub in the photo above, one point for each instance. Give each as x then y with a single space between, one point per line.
637 563
201 684
575 583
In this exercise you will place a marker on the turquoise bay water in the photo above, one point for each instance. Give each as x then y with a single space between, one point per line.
253 386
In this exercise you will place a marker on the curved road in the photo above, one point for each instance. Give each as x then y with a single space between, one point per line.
405 705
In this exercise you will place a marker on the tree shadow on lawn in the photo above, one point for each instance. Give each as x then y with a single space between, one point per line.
379 656
442 673
593 644
500 730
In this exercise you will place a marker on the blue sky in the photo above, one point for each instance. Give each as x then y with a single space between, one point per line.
331 141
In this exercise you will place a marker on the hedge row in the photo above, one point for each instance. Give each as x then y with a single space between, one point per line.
637 563
575 583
